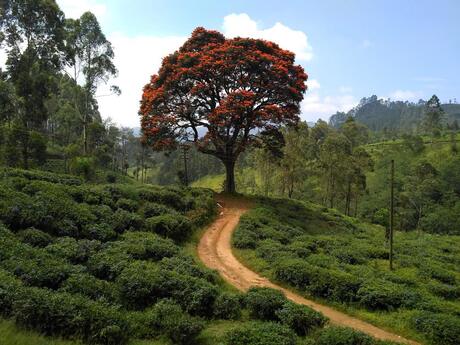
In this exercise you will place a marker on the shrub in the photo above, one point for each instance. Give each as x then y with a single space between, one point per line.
66 315
342 336
437 272
440 329
174 199
379 294
105 325
76 251
142 324
153 209
349 256
270 250
294 271
227 306
444 290
124 221
39 268
177 325
108 263
35 237
176 227
337 285
183 330
127 204
186 265
263 303
148 246
260 333
320 282
88 285
10 286
100 231
138 285
168 197
300 248
103 213
300 318
244 238
41 175
83 166
196 296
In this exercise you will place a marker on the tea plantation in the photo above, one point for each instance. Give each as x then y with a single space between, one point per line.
337 260
112 264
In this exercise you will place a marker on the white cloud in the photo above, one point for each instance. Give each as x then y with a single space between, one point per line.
405 95
75 8
294 40
313 84
136 58
315 107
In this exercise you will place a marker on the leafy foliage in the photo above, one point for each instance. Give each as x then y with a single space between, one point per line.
334 257
73 263
230 107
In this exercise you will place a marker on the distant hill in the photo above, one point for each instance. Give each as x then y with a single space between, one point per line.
378 114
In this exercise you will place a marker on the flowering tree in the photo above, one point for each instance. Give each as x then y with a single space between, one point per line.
222 95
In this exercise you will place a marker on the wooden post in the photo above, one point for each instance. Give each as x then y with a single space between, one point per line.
392 211
185 149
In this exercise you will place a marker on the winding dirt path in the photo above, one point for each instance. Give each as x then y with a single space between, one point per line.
215 251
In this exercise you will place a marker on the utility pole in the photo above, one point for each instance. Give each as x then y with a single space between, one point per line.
185 149
392 211
142 161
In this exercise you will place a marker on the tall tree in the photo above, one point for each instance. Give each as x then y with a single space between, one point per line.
221 94
333 157
296 159
33 34
8 102
91 53
434 115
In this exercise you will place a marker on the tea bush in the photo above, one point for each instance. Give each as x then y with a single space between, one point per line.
138 285
261 333
176 227
336 258
440 329
300 318
74 262
35 237
227 306
343 336
264 303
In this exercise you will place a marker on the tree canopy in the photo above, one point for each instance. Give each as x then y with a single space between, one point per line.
221 94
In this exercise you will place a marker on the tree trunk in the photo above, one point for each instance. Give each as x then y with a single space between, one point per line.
85 139
230 176
348 200
25 155
356 205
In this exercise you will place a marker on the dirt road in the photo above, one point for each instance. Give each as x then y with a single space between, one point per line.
215 251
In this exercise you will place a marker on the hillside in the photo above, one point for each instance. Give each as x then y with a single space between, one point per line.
340 261
379 114
116 264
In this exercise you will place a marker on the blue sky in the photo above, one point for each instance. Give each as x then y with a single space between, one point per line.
350 49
